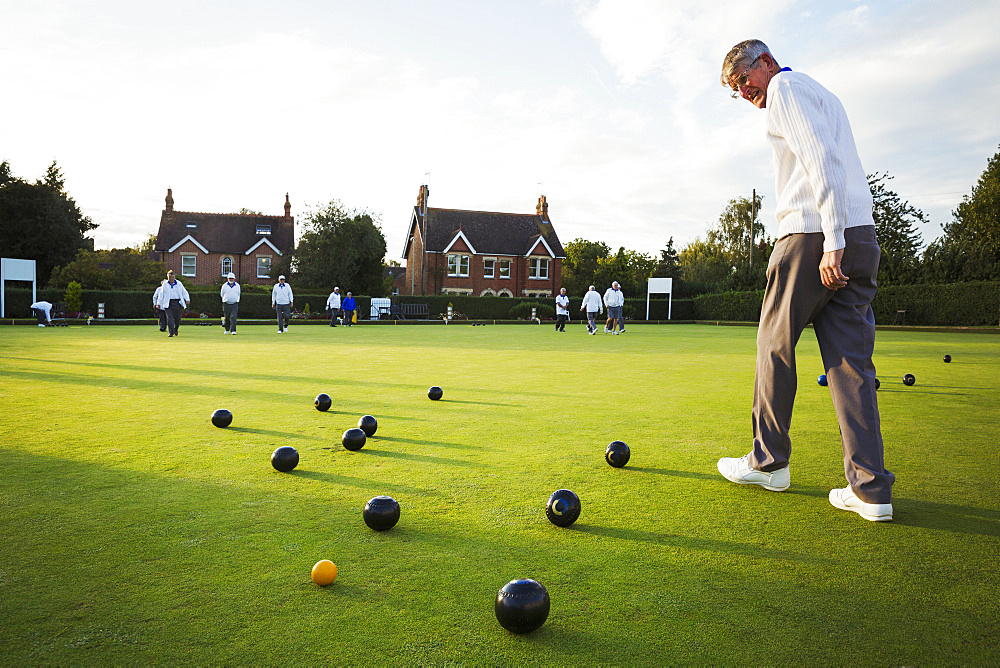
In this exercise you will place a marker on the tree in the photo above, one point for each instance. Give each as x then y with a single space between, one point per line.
732 234
630 268
897 235
970 247
115 268
721 261
339 247
669 264
40 221
579 269
74 297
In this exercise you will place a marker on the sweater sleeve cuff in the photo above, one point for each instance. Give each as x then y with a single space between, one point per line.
833 240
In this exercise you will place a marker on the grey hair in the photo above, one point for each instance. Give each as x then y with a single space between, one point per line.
740 56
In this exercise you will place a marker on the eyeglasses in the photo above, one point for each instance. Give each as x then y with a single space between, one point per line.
742 79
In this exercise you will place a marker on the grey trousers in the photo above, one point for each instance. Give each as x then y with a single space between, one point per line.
229 313
284 312
174 313
591 325
845 329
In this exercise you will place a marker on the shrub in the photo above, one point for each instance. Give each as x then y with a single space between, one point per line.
74 297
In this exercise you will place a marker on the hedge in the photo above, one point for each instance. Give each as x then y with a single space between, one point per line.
257 304
949 305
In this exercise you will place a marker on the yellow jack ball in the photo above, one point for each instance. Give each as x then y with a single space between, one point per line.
324 572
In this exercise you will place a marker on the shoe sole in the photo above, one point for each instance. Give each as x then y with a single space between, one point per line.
837 503
770 488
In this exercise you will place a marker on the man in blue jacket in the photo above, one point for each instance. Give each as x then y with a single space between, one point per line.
348 306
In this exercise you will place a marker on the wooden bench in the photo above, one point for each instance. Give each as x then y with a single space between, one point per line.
404 311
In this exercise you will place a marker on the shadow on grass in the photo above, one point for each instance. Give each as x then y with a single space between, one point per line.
677 474
945 517
695 543
417 441
352 481
274 433
428 459
476 403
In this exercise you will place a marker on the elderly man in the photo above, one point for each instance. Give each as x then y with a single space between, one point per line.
42 310
592 305
614 299
825 232
230 294
174 298
282 301
562 310
333 306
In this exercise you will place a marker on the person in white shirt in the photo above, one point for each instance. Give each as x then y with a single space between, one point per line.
825 227
174 299
161 315
562 310
43 312
592 305
230 303
333 306
614 299
281 302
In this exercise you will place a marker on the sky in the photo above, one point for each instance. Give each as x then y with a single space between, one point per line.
611 108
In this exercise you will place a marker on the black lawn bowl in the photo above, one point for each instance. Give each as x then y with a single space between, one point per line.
323 402
909 379
368 424
878 383
522 606
285 458
563 507
353 439
381 513
947 358
822 379
222 418
617 454
435 393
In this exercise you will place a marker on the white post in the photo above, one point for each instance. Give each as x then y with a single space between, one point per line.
449 314
660 285
15 270
100 310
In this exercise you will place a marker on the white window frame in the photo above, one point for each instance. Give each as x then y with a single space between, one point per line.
263 229
535 267
267 258
225 270
191 224
458 265
194 265
508 267
490 266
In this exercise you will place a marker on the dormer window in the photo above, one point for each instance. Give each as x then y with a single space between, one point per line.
263 230
191 224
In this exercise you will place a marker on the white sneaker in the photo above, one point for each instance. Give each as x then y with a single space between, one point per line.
873 512
740 472
593 332
615 333
233 333
280 332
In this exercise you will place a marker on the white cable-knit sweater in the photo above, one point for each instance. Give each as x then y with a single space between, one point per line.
819 182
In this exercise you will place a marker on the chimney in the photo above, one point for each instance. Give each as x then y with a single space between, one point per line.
169 210
542 209
425 192
288 208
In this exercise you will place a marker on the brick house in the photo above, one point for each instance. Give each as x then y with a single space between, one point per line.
204 247
451 251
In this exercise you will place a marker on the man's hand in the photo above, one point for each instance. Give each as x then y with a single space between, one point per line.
829 270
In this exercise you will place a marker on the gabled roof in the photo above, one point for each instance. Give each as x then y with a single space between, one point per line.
223 232
489 232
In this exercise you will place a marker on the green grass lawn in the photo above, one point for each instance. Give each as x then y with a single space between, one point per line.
132 531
